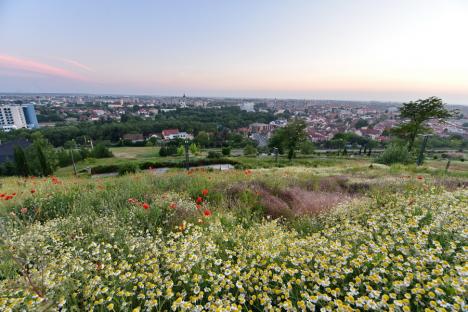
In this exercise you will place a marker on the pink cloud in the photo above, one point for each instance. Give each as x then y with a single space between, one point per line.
7 61
78 64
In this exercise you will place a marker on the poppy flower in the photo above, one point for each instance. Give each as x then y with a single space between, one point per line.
204 192
14 194
33 191
24 210
419 177
173 205
2 195
198 206
207 213
145 205
199 200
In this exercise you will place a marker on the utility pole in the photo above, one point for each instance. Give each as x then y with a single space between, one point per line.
423 148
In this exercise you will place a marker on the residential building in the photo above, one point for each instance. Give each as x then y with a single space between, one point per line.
18 116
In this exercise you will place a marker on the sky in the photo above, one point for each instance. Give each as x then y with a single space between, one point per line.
389 50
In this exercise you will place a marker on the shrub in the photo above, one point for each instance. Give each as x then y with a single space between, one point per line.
250 150
226 151
394 154
101 151
127 168
214 155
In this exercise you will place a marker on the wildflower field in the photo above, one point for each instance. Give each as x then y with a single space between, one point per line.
282 239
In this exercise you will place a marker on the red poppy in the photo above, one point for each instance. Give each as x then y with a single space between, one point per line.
204 192
145 205
33 191
14 194
173 205
207 213
198 206
199 200
2 195
420 177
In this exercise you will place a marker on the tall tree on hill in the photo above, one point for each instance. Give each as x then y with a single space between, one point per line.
290 137
417 113
21 163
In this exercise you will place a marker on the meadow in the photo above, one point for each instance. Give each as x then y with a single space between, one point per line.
342 235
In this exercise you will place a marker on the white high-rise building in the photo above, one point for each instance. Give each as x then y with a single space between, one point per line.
17 116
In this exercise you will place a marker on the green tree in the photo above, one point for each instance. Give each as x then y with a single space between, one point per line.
226 151
101 151
307 147
45 168
417 113
21 163
180 150
361 123
203 139
249 149
290 137
194 149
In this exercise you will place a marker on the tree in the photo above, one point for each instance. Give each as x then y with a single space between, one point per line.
250 150
203 138
307 147
180 150
45 167
21 163
194 149
290 137
226 151
417 113
361 123
101 151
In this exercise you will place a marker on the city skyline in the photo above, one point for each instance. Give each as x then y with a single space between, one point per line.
390 51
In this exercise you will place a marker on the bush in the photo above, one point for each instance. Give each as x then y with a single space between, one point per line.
214 155
394 154
226 151
168 151
250 150
127 168
101 151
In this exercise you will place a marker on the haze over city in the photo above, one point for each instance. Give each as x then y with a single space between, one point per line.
355 50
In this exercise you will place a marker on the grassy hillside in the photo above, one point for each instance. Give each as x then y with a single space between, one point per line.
296 238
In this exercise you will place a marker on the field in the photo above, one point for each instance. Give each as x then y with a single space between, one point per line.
315 234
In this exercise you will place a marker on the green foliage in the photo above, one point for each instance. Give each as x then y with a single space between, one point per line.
290 137
180 150
361 123
101 151
250 150
168 150
22 166
226 151
393 154
307 147
128 168
417 113
194 149
214 155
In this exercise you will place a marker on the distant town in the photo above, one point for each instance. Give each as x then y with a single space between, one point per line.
325 118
